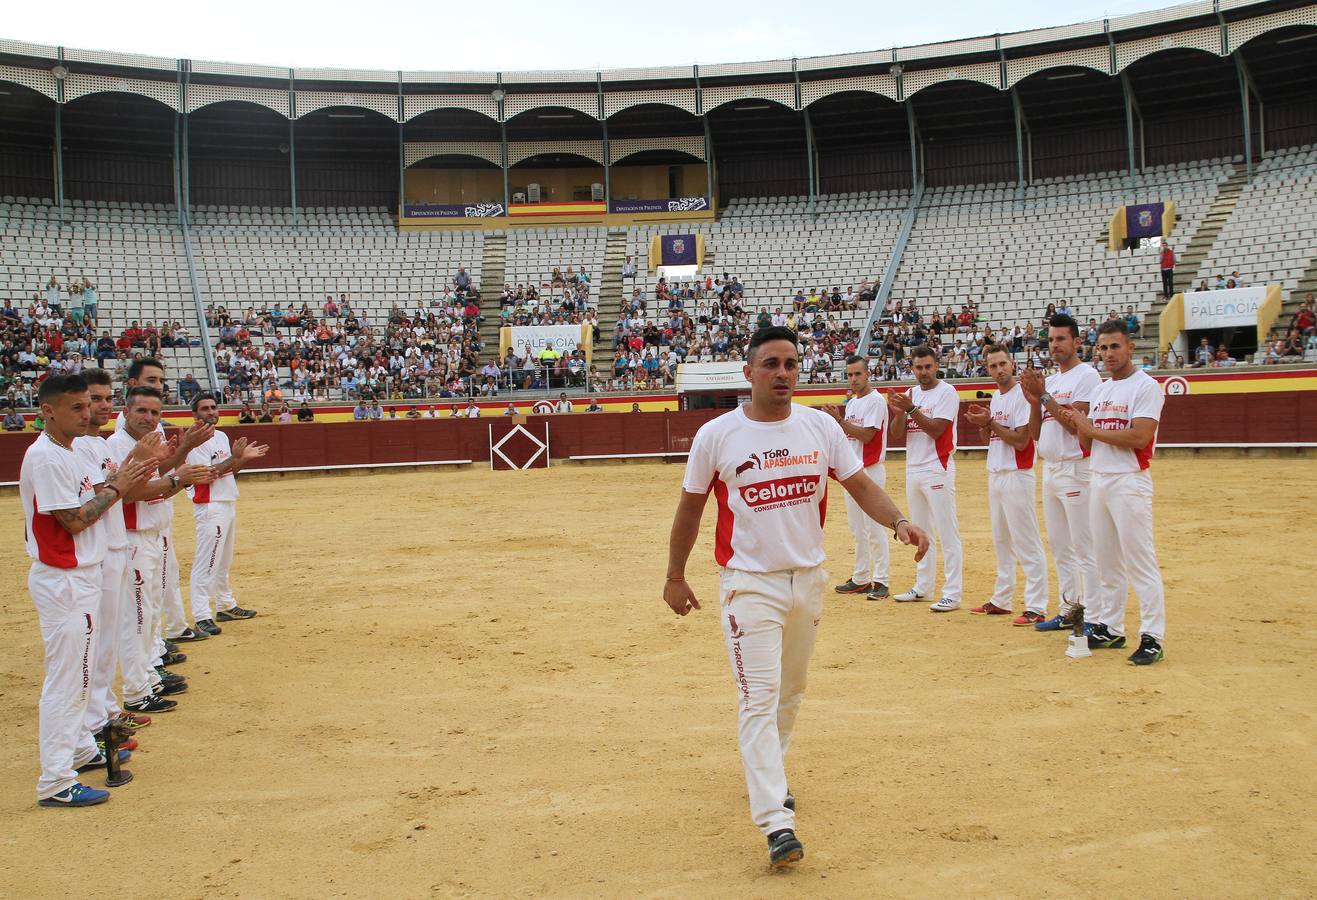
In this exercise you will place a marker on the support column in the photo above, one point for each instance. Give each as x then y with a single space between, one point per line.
60 73
402 160
916 173
292 148
185 171
810 162
499 97
1131 109
1021 125
708 163
608 153
1246 90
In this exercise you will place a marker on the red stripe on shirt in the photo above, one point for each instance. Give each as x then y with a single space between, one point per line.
1024 457
873 450
54 543
722 538
945 444
200 493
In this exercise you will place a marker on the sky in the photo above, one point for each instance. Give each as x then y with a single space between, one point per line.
526 34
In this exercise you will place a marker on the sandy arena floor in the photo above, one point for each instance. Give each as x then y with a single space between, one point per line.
465 683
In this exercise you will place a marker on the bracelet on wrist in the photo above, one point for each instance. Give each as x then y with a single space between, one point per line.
117 492
896 526
678 578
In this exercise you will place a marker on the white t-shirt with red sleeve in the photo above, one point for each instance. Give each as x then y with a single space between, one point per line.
54 478
215 452
95 453
771 483
1055 444
1009 410
869 411
922 451
144 515
1116 404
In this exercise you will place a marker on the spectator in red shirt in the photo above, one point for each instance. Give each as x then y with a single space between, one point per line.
1168 270
1305 320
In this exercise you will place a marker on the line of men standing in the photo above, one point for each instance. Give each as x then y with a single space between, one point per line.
104 575
1096 439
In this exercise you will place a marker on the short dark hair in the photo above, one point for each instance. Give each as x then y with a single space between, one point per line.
998 348
854 358
142 390
98 376
1061 320
924 350
771 333
1114 326
135 370
58 385
204 395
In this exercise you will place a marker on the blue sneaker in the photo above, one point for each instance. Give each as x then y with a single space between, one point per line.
78 795
99 761
1056 623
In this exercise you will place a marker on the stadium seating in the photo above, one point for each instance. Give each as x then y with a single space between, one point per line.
1271 237
133 254
1010 250
533 254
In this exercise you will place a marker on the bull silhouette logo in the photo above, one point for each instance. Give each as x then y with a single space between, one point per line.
736 629
751 463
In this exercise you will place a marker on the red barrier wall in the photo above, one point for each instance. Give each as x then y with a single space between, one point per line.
1226 419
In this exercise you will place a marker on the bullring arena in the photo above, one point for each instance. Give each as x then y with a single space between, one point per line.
468 326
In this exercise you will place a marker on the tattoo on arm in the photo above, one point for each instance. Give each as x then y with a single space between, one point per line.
82 518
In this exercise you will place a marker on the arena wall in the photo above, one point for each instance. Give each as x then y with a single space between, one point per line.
1225 410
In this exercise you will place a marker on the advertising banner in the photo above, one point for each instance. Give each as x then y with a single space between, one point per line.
674 204
1223 309
453 210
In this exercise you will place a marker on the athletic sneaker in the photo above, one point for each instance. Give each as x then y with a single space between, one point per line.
150 704
850 587
127 744
1029 618
1101 638
909 596
989 609
134 720
191 634
1149 652
173 659
168 677
208 627
784 848
790 801
100 760
165 690
78 795
878 591
1056 623
946 604
232 615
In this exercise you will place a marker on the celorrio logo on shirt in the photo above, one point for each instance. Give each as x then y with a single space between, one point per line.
780 492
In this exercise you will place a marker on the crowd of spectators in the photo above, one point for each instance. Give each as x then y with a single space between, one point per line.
268 354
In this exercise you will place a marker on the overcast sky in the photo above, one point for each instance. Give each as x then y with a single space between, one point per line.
517 34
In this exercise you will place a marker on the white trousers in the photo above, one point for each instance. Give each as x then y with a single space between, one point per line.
1016 539
216 527
175 619
931 496
1126 553
68 604
147 585
102 705
871 556
1066 492
769 621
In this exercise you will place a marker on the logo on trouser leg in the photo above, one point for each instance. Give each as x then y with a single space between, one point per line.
736 630
214 549
740 674
138 582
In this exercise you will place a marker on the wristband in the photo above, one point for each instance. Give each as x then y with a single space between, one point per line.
678 578
117 492
896 526
1045 398
173 482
